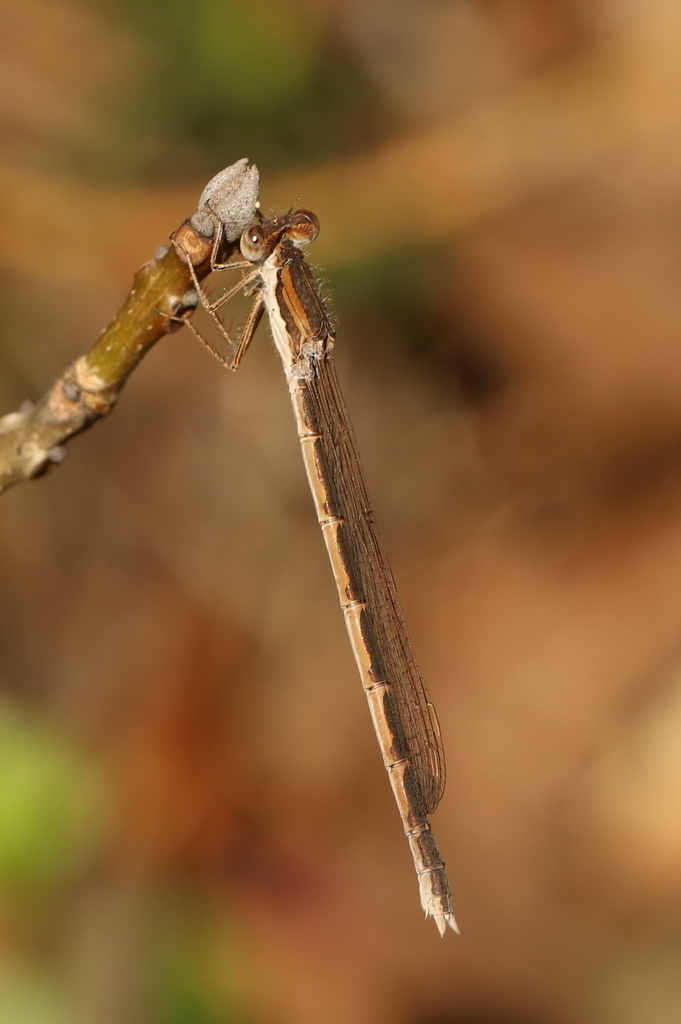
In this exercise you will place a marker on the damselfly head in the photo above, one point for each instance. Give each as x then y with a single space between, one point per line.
294 228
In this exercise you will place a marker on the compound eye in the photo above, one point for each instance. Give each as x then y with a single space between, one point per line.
252 244
303 227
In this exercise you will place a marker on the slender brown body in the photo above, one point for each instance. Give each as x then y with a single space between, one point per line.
404 718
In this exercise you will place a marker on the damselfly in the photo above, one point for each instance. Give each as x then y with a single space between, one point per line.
403 716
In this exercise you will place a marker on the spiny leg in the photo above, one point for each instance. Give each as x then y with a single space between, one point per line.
257 310
211 348
211 307
226 296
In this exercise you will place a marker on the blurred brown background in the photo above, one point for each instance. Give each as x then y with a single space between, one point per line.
191 831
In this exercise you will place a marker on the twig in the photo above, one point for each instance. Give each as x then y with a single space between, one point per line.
163 295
